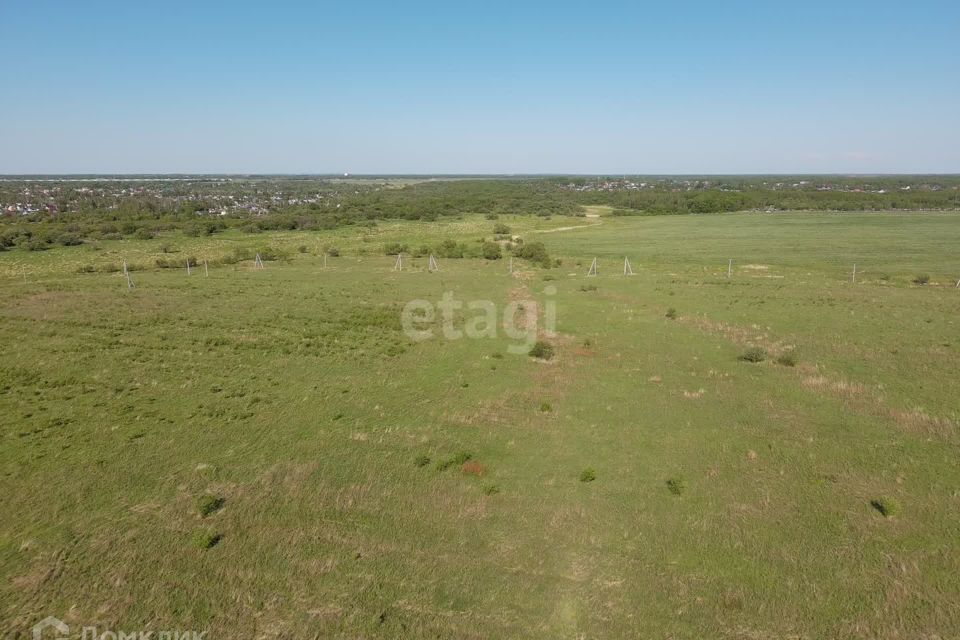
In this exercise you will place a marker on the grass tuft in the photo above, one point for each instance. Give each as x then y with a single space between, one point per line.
421 461
490 489
458 459
787 359
588 475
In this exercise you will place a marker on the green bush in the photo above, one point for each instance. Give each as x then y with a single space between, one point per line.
542 350
208 504
753 354
588 475
450 249
205 539
886 505
672 313
676 485
491 251
501 229
393 248
546 407
535 252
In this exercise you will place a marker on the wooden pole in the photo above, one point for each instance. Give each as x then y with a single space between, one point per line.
729 268
854 277
188 266
206 270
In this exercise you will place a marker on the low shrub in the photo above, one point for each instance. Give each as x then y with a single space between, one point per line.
588 287
490 489
501 229
393 248
491 251
886 506
546 407
205 539
208 504
535 252
588 475
921 279
753 354
787 359
672 313
542 350
676 485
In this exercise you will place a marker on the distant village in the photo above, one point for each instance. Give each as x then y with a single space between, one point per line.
241 196
207 199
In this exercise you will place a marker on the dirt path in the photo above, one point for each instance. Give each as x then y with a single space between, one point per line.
578 226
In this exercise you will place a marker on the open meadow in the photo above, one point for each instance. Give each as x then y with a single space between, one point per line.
265 453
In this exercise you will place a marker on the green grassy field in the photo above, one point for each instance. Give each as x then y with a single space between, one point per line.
731 499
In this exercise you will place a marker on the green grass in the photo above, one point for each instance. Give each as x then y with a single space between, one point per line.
292 395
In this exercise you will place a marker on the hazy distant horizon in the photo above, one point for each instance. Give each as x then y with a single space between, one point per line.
614 175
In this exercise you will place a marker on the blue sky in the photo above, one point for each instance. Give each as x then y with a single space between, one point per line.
482 87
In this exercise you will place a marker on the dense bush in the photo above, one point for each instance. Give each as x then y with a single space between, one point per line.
535 252
753 354
542 350
491 251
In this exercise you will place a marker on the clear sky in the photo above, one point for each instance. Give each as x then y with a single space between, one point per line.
480 87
